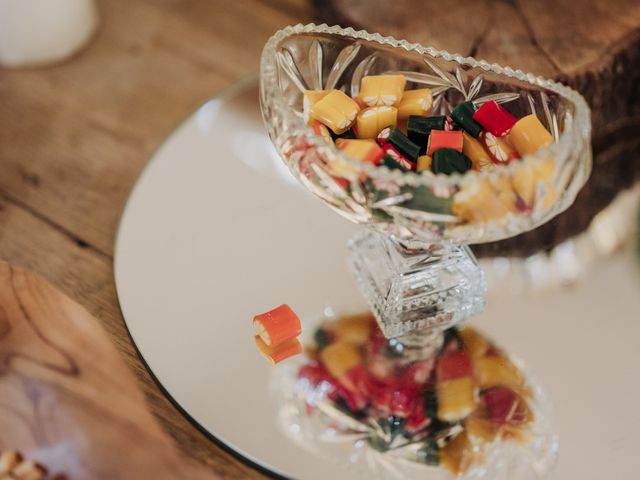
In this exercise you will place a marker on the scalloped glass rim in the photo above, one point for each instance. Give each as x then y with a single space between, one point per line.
578 129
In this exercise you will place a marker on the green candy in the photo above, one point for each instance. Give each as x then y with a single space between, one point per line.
419 128
423 199
448 161
463 116
430 404
405 146
347 135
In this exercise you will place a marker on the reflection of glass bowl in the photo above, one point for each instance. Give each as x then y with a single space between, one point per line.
475 207
412 265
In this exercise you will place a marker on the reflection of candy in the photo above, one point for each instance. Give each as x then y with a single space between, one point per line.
454 365
415 102
277 326
457 456
403 145
281 351
309 99
499 149
503 405
419 129
528 135
475 152
463 116
494 118
494 370
363 150
339 357
373 119
355 329
336 110
474 344
382 89
444 139
418 419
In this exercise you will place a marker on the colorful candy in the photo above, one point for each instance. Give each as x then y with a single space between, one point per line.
403 145
309 99
463 116
277 326
336 110
448 161
419 129
382 89
390 152
363 150
498 148
415 102
475 152
528 135
494 118
444 139
371 120
424 163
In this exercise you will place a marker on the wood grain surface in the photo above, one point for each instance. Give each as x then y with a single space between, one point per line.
67 399
591 45
75 136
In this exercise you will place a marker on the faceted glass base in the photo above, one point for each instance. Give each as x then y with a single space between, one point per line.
416 289
468 411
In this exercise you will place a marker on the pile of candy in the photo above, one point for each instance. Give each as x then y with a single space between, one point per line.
390 126
447 408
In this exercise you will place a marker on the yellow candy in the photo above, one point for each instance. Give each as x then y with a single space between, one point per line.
526 178
476 152
382 89
479 202
415 102
457 398
503 189
371 120
335 110
339 357
494 370
309 99
528 135
363 150
320 129
480 429
424 163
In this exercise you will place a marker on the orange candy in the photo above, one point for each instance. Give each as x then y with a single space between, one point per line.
277 326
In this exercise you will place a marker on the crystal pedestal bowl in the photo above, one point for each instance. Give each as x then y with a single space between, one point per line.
411 262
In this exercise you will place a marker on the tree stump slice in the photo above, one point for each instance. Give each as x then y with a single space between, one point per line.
67 400
590 45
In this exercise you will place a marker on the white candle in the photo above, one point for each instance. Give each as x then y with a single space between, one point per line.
44 31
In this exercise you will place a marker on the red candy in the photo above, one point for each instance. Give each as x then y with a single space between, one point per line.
454 365
494 118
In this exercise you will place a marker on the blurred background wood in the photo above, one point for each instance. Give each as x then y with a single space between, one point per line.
591 45
74 137
68 401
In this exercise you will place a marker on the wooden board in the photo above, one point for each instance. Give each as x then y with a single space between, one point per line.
67 400
591 45
75 136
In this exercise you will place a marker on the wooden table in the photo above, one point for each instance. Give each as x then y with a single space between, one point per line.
74 137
